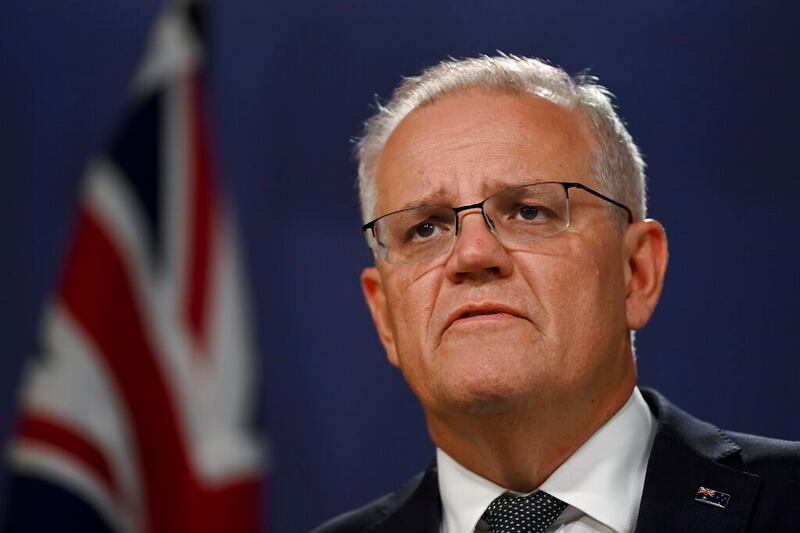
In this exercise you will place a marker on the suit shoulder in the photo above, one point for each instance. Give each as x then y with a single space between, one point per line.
777 465
370 516
766 456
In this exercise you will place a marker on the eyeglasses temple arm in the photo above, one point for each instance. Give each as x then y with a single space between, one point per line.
602 196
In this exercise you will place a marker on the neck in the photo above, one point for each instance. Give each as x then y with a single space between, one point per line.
519 448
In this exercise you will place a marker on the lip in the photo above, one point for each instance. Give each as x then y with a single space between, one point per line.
481 312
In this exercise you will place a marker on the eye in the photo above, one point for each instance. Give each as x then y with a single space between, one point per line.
528 212
424 230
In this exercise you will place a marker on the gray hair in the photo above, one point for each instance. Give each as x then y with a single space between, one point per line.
618 164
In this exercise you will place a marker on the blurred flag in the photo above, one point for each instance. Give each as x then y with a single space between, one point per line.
138 415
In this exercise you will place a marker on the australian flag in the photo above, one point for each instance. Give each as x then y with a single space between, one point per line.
712 497
138 414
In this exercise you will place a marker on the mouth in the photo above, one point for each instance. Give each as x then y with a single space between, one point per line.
481 313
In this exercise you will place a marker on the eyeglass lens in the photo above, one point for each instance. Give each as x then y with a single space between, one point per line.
518 214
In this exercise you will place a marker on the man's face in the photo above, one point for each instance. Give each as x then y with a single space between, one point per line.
490 324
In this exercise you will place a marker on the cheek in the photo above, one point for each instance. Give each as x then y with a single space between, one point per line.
579 290
411 307
412 302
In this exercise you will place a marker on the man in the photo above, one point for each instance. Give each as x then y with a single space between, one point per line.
505 206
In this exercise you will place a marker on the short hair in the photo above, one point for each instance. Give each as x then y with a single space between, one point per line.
618 164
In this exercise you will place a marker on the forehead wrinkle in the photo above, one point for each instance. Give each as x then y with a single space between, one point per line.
492 168
471 130
423 154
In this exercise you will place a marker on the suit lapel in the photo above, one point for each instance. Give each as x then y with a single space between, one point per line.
688 454
418 510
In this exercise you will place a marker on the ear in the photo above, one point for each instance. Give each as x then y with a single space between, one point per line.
372 285
645 249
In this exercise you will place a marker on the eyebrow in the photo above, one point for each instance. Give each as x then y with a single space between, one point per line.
442 197
437 197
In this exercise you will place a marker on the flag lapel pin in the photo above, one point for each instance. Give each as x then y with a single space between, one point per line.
712 497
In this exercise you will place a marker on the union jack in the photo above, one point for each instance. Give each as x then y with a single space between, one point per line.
143 398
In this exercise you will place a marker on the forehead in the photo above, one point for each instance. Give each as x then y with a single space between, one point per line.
472 143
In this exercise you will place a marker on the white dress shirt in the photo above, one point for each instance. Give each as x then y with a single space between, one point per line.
601 482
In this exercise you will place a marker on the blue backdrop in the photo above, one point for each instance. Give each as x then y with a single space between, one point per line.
709 91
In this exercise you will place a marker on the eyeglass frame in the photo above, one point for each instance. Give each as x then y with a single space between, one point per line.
479 205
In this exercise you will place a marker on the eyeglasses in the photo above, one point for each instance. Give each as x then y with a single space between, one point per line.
525 213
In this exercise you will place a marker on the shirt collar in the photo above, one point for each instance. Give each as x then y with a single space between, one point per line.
604 478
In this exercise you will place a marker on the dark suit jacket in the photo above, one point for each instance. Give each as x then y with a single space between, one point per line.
762 477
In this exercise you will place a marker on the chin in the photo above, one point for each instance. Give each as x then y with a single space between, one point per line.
484 373
485 390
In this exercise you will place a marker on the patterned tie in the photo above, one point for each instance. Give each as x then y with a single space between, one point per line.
523 514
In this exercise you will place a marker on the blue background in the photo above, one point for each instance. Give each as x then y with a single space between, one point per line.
709 91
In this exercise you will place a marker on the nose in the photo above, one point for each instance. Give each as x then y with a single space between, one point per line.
477 254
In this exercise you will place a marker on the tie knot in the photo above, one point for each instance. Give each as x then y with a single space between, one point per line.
523 514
